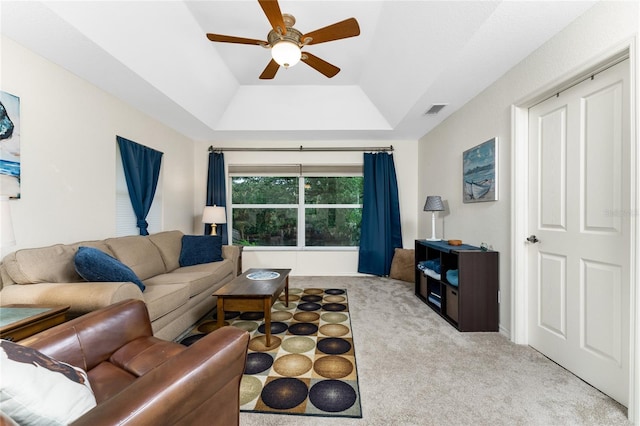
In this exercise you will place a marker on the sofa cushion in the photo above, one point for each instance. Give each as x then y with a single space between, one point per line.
37 389
100 245
199 277
52 264
197 249
95 265
169 244
162 299
138 253
109 380
143 354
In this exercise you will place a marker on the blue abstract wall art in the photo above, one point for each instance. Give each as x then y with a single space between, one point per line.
9 145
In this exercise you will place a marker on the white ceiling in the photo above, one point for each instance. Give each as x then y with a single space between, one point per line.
409 55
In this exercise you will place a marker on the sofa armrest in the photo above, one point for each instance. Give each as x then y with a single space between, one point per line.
232 253
197 386
82 297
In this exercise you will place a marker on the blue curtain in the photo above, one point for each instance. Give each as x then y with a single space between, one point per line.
217 191
380 231
141 169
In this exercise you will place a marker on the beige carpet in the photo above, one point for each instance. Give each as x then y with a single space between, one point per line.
415 369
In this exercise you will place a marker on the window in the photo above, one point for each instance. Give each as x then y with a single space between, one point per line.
296 206
126 222
265 210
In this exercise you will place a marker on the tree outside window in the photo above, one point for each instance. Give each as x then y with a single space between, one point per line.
301 211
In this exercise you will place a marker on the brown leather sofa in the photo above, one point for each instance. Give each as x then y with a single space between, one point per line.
139 379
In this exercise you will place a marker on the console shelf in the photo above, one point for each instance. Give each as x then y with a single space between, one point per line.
471 304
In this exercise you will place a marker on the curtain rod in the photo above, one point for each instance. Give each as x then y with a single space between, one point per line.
301 148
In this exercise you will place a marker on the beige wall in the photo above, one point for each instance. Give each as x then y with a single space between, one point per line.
68 151
325 262
68 148
600 30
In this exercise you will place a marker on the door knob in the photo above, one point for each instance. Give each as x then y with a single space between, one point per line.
533 239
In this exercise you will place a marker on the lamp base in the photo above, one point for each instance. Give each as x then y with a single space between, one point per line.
433 228
213 229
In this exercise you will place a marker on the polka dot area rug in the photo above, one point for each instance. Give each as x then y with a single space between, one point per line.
310 367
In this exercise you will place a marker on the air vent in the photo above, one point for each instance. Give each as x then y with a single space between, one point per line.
435 108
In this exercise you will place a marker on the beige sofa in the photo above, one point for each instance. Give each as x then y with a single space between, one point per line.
176 297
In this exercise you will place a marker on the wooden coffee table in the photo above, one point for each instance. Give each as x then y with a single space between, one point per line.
251 295
21 321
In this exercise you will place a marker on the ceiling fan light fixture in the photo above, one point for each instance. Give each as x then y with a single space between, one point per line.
286 53
286 42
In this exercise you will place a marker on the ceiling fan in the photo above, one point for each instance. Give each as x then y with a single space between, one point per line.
286 42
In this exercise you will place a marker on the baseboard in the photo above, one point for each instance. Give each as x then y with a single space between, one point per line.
505 332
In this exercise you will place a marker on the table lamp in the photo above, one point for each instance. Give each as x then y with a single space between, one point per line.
433 205
214 215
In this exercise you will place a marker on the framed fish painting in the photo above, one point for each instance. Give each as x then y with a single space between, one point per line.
480 172
9 145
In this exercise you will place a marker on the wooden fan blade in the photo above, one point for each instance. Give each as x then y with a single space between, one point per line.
232 39
272 10
319 65
343 29
270 71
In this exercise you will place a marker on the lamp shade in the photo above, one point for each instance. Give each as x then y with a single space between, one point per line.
286 53
7 237
214 214
433 204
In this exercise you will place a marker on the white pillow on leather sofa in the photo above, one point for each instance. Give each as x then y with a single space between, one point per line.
38 390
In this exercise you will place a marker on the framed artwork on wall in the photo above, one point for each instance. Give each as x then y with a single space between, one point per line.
480 173
9 145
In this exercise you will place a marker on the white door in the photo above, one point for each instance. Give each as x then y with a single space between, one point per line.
579 211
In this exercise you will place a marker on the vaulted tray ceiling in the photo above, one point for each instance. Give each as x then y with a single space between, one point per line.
409 56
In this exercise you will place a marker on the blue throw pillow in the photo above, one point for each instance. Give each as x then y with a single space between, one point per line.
197 249
95 265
